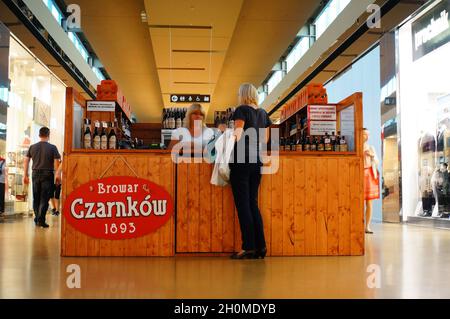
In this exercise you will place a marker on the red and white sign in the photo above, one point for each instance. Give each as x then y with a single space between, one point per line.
322 112
116 208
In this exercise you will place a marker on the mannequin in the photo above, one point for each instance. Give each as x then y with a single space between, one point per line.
427 173
371 178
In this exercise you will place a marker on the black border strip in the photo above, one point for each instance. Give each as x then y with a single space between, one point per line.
388 6
29 25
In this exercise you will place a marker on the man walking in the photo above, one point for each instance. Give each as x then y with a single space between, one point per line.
45 158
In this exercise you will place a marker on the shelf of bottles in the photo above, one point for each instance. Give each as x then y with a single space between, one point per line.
111 134
224 118
173 118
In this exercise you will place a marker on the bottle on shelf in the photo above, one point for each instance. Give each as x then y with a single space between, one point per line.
112 137
87 136
179 121
314 144
96 137
337 144
293 144
282 145
333 141
307 144
343 145
104 137
320 144
299 145
327 143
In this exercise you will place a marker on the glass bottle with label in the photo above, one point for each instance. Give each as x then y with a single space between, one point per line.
320 144
307 144
112 138
299 146
178 121
87 137
327 142
96 137
337 145
104 137
343 145
314 144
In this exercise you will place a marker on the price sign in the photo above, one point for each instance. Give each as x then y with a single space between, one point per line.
322 112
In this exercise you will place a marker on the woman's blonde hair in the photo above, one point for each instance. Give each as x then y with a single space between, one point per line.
193 108
248 95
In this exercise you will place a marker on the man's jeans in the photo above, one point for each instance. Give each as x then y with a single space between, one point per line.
43 184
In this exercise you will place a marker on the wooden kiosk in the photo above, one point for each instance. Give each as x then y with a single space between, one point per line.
312 206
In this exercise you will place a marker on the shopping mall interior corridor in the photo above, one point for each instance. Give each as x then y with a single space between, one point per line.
412 263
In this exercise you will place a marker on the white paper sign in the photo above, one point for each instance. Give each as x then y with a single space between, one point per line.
322 112
101 106
322 127
41 113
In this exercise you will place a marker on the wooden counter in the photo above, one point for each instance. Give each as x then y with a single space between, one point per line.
312 206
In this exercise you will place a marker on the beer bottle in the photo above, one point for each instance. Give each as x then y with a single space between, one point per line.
320 145
87 138
96 136
314 144
112 138
104 137
327 142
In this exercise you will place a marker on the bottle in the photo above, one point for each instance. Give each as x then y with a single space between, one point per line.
320 144
333 141
96 137
183 121
307 145
179 121
343 145
337 145
112 138
87 138
327 143
282 145
163 123
104 137
299 146
293 146
314 144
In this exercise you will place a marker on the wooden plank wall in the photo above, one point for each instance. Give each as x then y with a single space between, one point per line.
313 206
82 168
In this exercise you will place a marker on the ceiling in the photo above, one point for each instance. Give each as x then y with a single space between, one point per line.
393 18
190 46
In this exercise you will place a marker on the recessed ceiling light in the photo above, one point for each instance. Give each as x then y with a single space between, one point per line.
144 17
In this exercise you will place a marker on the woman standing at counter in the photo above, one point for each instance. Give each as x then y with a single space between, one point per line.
195 134
245 175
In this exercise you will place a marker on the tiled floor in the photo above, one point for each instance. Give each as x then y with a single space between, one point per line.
414 263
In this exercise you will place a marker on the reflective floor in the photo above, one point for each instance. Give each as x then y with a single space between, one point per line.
414 262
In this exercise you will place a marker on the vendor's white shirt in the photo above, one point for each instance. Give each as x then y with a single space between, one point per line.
182 134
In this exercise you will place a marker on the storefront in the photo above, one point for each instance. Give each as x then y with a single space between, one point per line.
36 98
424 99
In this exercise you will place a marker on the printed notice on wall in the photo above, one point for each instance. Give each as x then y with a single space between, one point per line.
322 112
322 127
101 106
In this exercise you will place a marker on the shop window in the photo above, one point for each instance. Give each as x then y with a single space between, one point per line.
297 52
328 15
274 80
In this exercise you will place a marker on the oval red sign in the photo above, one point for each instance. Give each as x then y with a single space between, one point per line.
120 207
